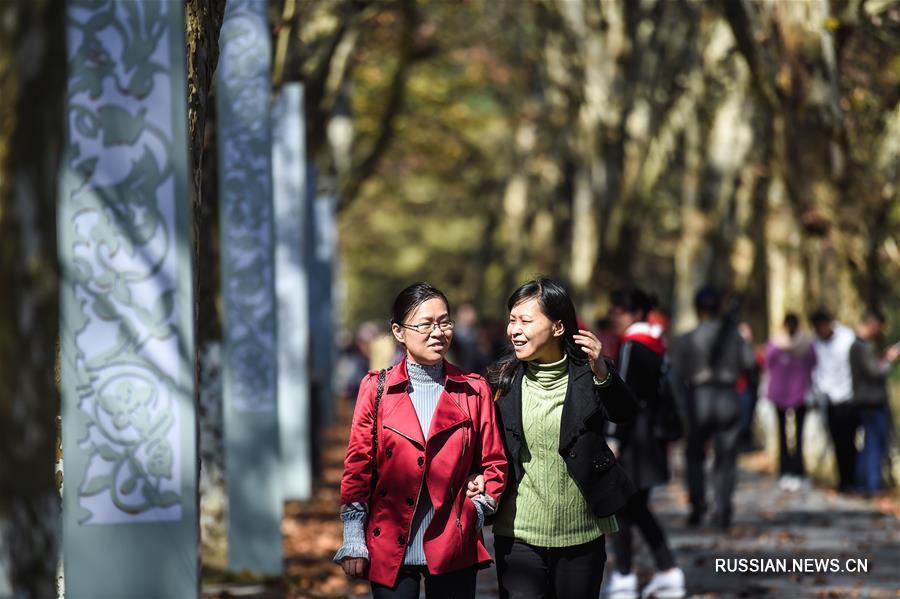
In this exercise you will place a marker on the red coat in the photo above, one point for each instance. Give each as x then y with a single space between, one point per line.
464 439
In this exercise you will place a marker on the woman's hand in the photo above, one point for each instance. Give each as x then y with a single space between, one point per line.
354 567
475 485
593 347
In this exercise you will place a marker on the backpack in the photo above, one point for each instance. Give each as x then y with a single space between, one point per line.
666 421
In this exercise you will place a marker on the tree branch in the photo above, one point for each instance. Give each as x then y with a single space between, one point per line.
743 27
416 45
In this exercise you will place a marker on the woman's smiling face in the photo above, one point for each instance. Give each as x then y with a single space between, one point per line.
535 338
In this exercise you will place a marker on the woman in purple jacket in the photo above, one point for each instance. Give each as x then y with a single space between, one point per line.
790 359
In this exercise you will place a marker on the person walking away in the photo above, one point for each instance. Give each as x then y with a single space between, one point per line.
790 359
420 430
554 397
642 450
870 393
748 392
709 360
833 386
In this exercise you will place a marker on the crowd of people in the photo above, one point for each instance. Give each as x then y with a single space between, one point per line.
557 434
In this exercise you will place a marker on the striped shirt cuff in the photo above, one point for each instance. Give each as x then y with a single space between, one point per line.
354 520
485 506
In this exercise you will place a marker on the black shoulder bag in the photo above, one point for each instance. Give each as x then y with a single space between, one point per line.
666 416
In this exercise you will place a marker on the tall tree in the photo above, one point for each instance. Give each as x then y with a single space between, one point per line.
32 85
203 24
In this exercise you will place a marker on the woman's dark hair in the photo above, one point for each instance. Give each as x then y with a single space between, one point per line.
412 297
633 300
792 322
556 305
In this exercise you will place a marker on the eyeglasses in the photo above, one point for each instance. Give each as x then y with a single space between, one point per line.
426 328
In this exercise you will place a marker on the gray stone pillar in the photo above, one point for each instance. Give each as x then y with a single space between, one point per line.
129 443
250 373
321 243
289 180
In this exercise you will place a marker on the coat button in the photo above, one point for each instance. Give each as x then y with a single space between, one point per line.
376 532
388 452
401 540
409 501
383 492
572 454
420 461
602 462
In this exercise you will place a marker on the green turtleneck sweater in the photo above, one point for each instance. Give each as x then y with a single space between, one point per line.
547 509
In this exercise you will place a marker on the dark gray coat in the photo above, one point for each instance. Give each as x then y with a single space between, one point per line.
870 374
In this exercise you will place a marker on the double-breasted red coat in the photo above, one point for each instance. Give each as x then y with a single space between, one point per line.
464 439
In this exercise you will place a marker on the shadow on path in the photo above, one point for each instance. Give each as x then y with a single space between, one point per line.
808 543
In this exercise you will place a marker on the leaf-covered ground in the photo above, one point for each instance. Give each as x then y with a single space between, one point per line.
769 522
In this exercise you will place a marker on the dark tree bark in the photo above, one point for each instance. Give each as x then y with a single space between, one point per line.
204 21
32 85
203 24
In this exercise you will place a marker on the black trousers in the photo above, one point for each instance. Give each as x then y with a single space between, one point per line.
791 462
843 420
714 413
528 572
637 513
452 585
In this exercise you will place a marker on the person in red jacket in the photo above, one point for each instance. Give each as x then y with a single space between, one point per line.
420 432
642 448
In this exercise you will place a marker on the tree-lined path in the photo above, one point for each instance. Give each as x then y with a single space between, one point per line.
205 205
814 523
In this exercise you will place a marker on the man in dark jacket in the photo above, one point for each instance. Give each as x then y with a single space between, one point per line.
709 360
870 394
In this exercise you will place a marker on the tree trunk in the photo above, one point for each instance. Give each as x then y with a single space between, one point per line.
203 22
33 79
689 265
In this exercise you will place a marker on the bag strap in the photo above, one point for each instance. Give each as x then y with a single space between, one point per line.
378 393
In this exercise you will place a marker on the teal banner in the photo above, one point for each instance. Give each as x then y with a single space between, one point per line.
249 366
289 180
128 427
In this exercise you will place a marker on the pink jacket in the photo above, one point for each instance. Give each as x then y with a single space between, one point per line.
789 362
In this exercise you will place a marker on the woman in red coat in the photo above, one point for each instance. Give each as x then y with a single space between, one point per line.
413 446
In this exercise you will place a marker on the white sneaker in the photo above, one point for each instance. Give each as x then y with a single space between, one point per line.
791 482
620 586
665 585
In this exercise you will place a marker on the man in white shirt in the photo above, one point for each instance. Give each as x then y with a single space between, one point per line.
833 382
